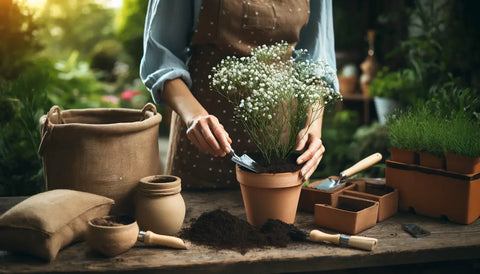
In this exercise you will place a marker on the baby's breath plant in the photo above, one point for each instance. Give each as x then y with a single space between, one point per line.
274 94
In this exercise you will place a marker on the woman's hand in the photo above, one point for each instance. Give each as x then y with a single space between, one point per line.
206 133
313 154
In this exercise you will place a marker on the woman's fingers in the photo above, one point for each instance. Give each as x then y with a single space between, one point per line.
311 157
313 144
311 165
221 137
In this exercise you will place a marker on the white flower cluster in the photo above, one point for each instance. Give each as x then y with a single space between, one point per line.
272 92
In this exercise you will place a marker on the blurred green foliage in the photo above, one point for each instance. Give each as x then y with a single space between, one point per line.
400 85
74 25
19 39
129 24
436 51
71 72
22 104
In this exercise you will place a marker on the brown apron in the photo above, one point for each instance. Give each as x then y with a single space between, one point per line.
225 28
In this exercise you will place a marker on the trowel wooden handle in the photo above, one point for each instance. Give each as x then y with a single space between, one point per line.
365 243
361 165
150 238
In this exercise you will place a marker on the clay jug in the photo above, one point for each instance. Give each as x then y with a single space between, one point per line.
159 206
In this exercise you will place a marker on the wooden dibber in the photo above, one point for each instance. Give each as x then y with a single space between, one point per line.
365 243
150 238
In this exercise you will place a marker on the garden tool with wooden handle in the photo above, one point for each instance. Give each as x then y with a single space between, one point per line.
150 238
330 184
360 242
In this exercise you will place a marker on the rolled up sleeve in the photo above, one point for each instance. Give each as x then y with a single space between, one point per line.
167 32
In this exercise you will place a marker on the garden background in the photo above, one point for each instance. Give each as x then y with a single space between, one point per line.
86 53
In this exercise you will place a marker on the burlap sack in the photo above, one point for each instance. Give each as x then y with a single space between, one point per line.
46 222
101 151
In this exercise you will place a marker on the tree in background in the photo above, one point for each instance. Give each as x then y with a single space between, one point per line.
24 80
75 24
129 24
18 38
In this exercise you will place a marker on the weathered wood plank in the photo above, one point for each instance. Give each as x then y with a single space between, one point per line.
448 241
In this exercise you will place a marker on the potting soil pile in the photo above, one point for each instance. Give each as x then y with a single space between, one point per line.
220 229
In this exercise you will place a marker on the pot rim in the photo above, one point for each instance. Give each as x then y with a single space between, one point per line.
122 126
112 228
276 180
168 188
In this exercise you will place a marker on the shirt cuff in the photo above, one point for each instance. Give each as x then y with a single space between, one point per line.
157 80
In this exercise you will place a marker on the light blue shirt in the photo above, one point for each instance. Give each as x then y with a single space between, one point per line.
169 27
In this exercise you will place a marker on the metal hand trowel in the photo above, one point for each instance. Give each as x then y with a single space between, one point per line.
244 161
330 184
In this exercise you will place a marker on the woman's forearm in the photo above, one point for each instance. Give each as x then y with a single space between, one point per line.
182 101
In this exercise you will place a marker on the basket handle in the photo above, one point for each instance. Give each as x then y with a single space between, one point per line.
149 107
48 127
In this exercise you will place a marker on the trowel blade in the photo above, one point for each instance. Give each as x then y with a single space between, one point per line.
244 161
328 184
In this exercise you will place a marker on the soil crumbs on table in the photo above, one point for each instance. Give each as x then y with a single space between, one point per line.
221 230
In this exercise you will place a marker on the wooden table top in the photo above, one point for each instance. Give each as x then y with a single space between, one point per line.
448 241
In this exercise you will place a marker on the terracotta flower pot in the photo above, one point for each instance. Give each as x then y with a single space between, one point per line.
269 196
428 160
403 156
462 164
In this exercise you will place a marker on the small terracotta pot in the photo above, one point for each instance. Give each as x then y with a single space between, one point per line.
462 164
386 196
403 156
310 196
350 215
348 84
112 235
428 160
159 206
269 196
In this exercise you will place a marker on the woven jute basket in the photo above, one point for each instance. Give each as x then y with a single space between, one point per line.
105 151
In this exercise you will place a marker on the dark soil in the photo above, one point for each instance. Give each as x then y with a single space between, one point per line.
221 230
348 207
277 165
164 179
113 221
377 190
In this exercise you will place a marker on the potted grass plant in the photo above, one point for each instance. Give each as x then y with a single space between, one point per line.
417 136
462 146
432 135
402 130
275 96
436 138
